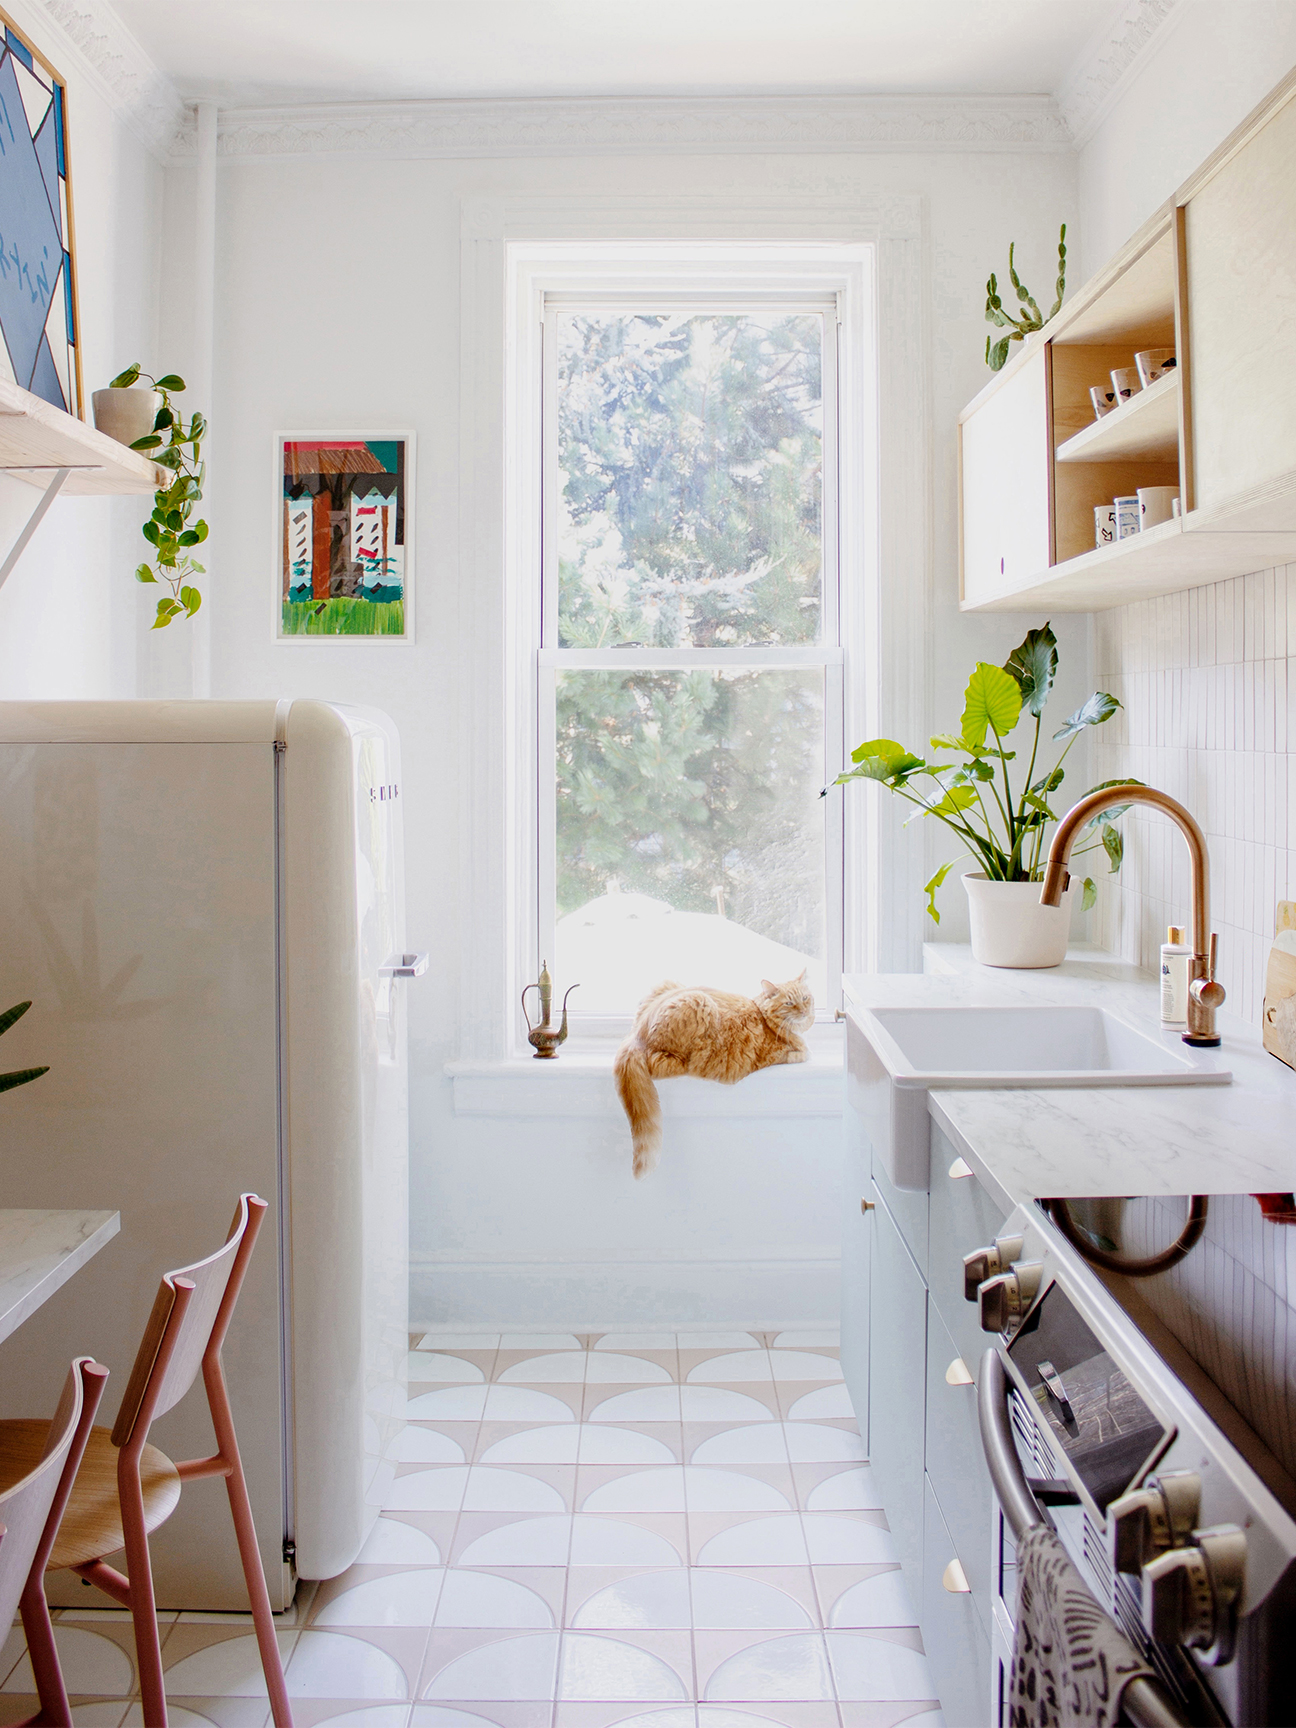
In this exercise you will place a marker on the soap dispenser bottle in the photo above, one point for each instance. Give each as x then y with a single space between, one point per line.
1175 955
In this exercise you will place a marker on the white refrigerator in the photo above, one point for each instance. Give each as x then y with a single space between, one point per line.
204 902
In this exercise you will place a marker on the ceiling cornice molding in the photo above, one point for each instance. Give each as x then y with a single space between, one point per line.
701 125
88 36
1096 82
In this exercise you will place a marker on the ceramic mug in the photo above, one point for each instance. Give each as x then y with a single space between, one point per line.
1156 504
1104 524
1103 400
1154 363
1127 515
1125 382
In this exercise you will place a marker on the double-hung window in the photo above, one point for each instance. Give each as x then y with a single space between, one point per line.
689 690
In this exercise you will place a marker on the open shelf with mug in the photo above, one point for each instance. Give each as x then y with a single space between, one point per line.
1216 431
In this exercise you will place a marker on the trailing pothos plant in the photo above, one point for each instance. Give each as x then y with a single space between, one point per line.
169 531
1029 317
1002 830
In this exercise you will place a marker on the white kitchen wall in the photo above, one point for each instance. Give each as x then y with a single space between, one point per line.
1204 71
1206 678
71 609
338 308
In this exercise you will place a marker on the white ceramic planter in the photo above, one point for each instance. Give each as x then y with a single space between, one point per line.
126 414
1011 928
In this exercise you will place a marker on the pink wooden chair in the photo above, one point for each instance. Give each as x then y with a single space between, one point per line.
127 1487
37 1468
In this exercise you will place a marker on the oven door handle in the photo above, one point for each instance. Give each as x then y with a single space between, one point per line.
1020 1507
1144 1703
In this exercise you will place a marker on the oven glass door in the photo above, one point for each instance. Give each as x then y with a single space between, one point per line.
1101 1425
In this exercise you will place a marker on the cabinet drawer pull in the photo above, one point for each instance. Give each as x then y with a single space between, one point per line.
960 1168
866 1206
957 1373
954 1578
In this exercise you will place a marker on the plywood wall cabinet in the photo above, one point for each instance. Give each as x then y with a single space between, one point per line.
1212 275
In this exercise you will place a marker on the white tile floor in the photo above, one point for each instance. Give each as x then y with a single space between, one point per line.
643 1529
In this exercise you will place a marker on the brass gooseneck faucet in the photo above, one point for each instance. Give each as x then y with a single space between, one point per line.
1205 994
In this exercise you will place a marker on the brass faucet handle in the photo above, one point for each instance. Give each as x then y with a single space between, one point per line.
1208 990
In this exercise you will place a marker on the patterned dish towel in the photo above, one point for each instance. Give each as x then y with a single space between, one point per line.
1071 1663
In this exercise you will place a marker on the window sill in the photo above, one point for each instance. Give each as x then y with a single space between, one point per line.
579 1083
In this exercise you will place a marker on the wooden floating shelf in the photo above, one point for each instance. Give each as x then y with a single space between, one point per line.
1184 553
37 439
1147 426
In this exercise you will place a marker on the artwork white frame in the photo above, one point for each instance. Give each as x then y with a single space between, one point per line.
405 436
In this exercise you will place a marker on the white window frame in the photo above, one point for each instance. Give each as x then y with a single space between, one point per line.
777 276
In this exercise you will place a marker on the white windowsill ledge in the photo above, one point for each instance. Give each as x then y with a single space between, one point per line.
579 1083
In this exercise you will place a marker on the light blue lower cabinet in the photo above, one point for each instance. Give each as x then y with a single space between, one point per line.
954 1636
897 1387
857 1240
955 1462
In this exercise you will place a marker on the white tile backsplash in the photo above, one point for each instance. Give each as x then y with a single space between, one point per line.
1208 683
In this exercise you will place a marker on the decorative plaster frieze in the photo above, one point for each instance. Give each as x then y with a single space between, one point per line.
88 36
1091 88
632 126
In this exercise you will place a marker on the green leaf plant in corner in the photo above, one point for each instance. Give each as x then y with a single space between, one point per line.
171 534
17 1076
1029 317
968 785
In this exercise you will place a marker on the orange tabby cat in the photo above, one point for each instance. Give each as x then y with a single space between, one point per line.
710 1033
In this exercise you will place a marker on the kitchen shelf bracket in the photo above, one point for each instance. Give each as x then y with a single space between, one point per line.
34 521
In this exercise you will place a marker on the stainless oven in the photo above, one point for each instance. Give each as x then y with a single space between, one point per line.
1181 1522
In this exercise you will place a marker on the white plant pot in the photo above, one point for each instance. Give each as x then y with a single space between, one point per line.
126 414
1011 928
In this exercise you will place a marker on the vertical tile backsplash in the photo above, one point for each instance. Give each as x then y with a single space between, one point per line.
1205 678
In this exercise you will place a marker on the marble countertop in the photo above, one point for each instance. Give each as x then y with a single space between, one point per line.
1023 1144
40 1250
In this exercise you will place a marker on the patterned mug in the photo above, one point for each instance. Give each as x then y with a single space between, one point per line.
1154 363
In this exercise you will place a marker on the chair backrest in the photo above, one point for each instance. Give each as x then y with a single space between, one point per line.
190 1317
30 1511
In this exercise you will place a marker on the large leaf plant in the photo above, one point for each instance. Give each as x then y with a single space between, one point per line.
969 787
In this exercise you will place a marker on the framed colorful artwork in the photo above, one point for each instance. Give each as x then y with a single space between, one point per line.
38 303
344 533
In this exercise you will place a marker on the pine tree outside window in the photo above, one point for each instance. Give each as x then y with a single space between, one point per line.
690 666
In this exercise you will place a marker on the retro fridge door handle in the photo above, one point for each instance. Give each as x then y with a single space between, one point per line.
405 966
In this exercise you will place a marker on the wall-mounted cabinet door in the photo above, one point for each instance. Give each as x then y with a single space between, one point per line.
1241 260
897 1391
1006 463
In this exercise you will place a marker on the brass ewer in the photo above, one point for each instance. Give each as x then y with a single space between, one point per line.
545 1038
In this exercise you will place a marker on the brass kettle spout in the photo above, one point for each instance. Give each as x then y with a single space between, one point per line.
544 1037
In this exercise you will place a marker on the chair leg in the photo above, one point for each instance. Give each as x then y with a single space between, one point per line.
54 1707
143 1605
249 1553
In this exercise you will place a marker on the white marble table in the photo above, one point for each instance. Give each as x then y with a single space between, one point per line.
39 1251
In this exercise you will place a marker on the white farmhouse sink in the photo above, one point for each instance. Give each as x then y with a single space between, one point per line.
906 1052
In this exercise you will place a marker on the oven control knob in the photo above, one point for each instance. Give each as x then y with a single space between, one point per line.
1003 1300
984 1263
1192 1595
1152 1519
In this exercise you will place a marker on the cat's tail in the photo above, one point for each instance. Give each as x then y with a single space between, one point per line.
634 1084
